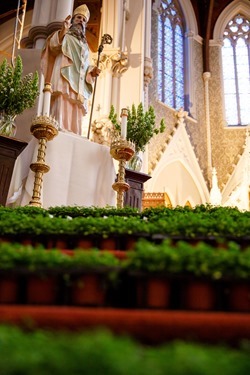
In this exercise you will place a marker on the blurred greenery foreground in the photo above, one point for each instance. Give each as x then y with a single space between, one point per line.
101 353
40 352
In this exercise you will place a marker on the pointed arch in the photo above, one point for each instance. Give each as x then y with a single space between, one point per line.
242 6
188 12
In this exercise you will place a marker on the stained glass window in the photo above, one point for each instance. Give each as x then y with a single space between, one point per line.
236 76
170 54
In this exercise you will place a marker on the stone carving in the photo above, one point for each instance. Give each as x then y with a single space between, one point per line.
148 71
102 130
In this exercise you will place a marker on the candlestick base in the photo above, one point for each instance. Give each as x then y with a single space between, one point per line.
45 129
121 150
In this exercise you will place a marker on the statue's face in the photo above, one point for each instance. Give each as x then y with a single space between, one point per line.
79 21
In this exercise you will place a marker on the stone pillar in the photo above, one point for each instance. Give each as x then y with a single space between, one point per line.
206 78
63 9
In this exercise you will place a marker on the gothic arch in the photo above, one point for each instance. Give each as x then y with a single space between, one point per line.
161 172
189 15
229 12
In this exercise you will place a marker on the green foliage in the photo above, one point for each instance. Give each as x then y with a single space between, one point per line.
101 352
202 260
16 92
14 256
183 258
141 125
180 222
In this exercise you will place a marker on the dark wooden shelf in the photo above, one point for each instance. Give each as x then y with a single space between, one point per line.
10 148
133 197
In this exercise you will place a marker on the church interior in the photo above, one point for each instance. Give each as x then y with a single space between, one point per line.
188 61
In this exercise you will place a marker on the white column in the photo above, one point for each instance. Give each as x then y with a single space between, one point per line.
41 13
123 25
190 76
111 19
63 9
206 78
147 48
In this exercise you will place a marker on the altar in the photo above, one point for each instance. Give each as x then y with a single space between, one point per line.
81 174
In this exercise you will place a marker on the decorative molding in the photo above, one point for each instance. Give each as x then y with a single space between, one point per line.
119 63
114 60
180 117
102 130
39 32
148 71
216 43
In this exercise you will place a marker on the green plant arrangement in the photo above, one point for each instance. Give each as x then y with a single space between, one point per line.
35 259
17 93
141 125
179 223
103 352
202 260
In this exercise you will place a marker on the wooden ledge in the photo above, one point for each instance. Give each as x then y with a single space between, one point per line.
147 326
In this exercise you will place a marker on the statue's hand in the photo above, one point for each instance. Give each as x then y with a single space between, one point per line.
67 23
95 72
65 28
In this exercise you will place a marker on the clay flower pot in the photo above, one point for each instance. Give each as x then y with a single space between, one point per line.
239 296
153 292
199 295
41 290
88 290
8 289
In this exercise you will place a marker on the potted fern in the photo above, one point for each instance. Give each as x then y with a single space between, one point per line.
17 93
141 127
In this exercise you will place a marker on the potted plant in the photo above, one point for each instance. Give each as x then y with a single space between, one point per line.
91 271
192 272
17 93
141 127
49 274
152 267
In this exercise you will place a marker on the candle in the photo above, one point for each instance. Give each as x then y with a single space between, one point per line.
46 99
124 116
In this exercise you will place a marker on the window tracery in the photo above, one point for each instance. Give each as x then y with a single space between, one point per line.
171 54
235 66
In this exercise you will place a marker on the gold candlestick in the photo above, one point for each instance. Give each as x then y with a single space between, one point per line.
45 129
121 150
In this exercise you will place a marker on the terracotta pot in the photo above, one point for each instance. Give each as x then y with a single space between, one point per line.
153 292
85 243
61 244
88 290
199 295
130 243
107 244
8 289
239 297
41 291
